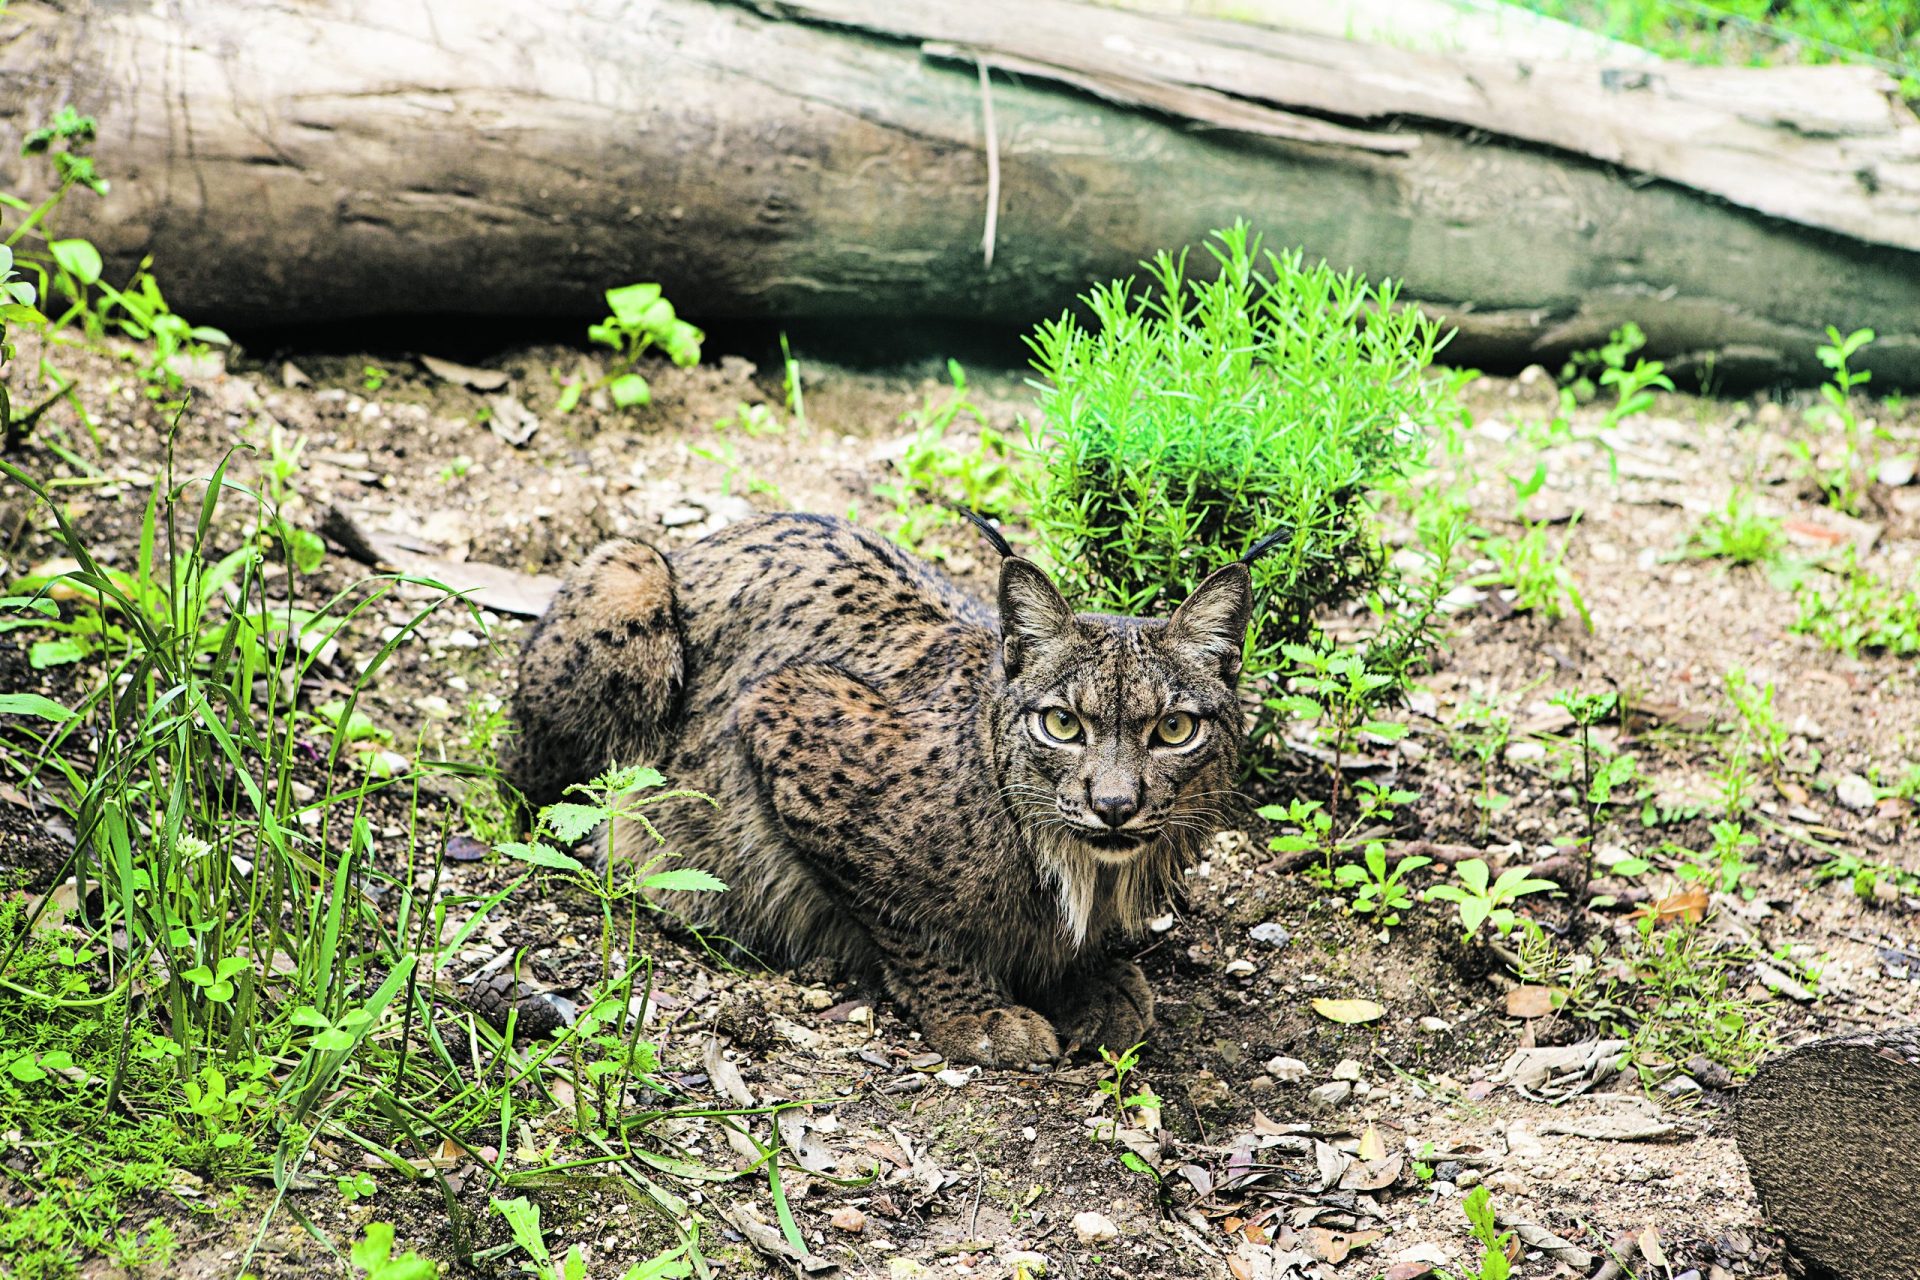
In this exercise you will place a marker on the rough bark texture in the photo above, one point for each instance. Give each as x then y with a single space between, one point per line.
298 160
1831 1136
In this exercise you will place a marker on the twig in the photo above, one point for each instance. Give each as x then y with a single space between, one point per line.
993 163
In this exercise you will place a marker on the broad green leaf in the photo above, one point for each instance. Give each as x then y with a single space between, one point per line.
570 823
32 704
630 302
1473 873
685 880
540 855
630 390
57 653
78 258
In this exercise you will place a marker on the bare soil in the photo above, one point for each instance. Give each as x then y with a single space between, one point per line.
968 1173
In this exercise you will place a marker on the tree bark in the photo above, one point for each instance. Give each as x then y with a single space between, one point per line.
1831 1135
312 160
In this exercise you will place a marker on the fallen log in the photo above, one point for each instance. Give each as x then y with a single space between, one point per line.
307 160
1827 1131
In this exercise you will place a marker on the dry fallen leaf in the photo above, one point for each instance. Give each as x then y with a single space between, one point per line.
1650 1247
1689 904
1530 1002
1348 1011
465 375
1334 1246
1374 1175
1372 1147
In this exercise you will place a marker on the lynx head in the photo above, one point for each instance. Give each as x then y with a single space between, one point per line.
1119 736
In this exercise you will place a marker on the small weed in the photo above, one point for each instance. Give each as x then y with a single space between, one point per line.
1866 877
1723 867
1689 1005
641 320
1335 691
1494 1243
934 473
1481 732
1854 610
1760 728
372 1256
1842 481
1633 386
1482 900
1738 533
373 377
1378 891
1537 573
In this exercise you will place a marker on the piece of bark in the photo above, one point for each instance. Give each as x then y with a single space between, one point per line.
490 586
1829 1132
338 159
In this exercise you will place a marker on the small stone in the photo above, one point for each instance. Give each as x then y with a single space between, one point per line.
1160 924
1448 1169
1855 792
1894 472
905 1269
1270 934
1286 1070
1439 1026
461 638
1207 1091
1329 1096
684 514
1680 1087
848 1219
1094 1228
1242 968
814 999
1468 1178
1346 1069
1525 752
433 705
1030 1133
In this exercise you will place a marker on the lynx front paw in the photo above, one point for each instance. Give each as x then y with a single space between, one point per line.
1009 1037
1112 1007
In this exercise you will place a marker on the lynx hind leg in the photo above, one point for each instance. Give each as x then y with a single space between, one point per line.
600 674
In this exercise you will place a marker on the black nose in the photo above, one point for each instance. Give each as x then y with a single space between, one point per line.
1116 808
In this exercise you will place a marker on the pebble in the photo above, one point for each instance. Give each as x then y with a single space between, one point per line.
1894 472
1160 924
1242 968
1286 1070
1468 1178
1439 1026
1271 934
1094 1228
1522 752
849 1219
815 999
684 514
1855 792
1347 1069
1329 1096
461 638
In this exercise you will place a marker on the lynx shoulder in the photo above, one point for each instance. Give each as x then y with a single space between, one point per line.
973 806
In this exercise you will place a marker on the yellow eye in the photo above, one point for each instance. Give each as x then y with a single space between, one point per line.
1060 725
1176 729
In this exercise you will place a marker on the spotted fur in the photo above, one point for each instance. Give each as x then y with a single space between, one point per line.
889 794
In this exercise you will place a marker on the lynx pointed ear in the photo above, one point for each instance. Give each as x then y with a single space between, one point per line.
1214 619
1032 611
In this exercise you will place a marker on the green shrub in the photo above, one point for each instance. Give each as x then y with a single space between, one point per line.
1196 417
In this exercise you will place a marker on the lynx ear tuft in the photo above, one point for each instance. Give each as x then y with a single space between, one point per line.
1032 611
1213 621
